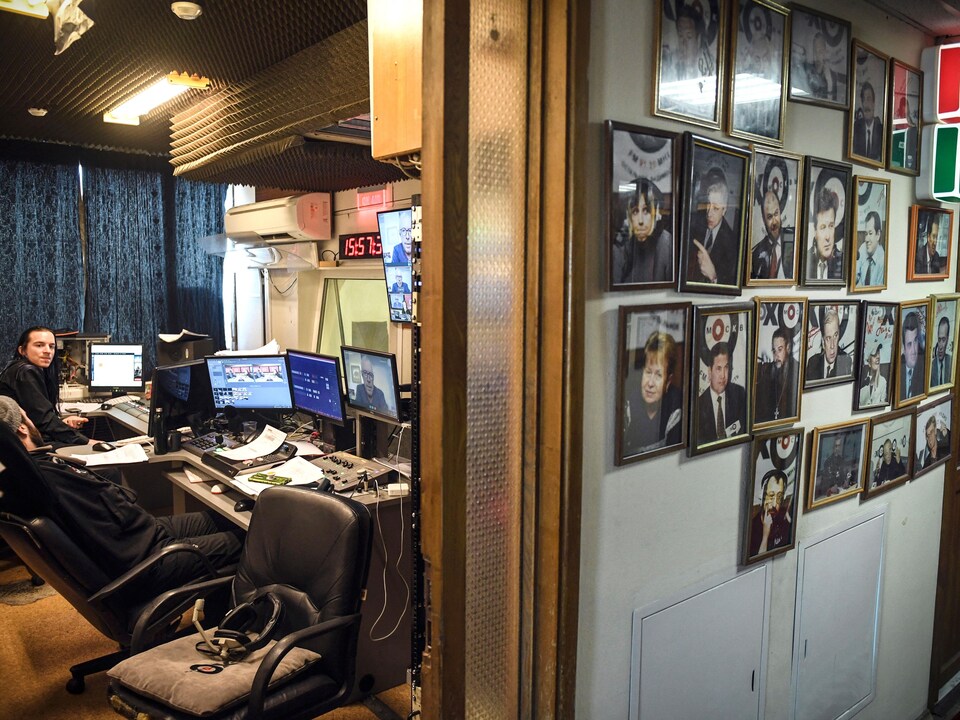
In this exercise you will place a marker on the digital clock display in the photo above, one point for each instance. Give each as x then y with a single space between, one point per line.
356 246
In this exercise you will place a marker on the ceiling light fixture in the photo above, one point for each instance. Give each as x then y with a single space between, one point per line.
187 10
153 96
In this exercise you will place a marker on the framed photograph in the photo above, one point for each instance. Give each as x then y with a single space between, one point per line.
758 87
866 137
819 58
932 435
714 222
942 331
831 343
774 209
929 247
906 109
641 192
871 214
828 197
838 455
722 342
878 338
912 362
779 357
652 380
689 60
891 451
773 495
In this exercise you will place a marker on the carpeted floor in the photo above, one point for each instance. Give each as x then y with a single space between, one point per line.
40 640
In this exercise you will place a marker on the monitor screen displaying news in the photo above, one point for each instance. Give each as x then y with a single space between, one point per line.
258 382
116 367
396 237
372 381
315 382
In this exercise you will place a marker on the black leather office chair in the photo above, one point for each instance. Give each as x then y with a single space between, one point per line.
311 549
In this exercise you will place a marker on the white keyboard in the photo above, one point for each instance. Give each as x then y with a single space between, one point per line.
139 440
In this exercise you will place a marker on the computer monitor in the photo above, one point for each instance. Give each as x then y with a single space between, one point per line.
116 368
396 236
181 393
372 381
257 382
315 384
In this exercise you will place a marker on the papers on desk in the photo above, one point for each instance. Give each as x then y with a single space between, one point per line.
306 449
121 456
264 444
300 472
71 408
184 334
271 348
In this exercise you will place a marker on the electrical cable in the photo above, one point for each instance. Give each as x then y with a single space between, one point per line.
288 288
396 568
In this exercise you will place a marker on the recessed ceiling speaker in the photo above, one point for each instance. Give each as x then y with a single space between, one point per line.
187 10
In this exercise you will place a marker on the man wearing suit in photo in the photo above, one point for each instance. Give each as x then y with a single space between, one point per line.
868 129
941 367
870 260
723 405
928 260
772 257
912 358
831 361
715 250
824 259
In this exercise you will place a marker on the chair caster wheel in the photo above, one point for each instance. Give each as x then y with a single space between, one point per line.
76 685
37 581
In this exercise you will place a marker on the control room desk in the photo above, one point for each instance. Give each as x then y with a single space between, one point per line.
382 657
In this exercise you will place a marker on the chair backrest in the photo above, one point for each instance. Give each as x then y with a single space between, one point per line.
313 550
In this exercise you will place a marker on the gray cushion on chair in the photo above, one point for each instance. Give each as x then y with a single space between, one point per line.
172 673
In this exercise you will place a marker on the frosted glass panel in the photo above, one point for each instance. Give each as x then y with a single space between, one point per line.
495 355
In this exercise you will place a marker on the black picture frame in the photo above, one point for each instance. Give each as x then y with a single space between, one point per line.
779 358
832 337
828 197
930 453
774 208
877 343
819 58
906 111
866 135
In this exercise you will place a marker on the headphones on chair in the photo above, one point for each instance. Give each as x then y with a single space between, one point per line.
246 628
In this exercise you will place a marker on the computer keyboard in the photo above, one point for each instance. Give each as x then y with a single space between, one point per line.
139 439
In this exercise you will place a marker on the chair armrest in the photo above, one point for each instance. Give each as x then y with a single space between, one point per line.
287 643
179 598
137 570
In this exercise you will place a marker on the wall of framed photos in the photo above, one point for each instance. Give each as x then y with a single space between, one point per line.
670 500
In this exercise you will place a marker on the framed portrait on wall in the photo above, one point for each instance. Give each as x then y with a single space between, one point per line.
827 199
906 109
866 135
832 329
932 447
912 352
779 357
878 338
838 455
871 216
819 58
641 196
758 76
774 209
714 219
689 60
930 247
722 376
652 380
942 332
773 495
891 451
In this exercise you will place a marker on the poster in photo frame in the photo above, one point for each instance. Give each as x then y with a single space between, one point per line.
906 110
689 59
870 223
714 216
932 435
641 197
890 460
781 322
772 498
942 332
828 196
758 89
878 342
819 58
930 244
832 329
774 210
721 376
866 135
838 455
911 361
652 380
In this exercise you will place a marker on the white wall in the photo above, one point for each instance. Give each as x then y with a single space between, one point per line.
653 528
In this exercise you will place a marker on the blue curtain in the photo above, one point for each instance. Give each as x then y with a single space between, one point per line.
41 264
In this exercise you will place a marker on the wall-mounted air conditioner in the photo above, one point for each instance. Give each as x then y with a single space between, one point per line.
283 220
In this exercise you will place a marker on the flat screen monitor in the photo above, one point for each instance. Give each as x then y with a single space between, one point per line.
257 382
115 367
182 394
315 383
396 237
372 381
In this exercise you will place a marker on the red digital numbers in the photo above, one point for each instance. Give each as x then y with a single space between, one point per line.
360 245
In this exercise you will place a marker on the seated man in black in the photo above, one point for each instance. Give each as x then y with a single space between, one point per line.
103 518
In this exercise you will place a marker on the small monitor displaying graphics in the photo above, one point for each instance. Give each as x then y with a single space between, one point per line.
257 382
316 386
396 236
181 393
116 367
372 382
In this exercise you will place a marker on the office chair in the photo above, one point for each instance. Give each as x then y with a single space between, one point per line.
50 553
312 551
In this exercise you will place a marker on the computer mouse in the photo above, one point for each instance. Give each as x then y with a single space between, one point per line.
243 505
216 489
103 447
105 406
